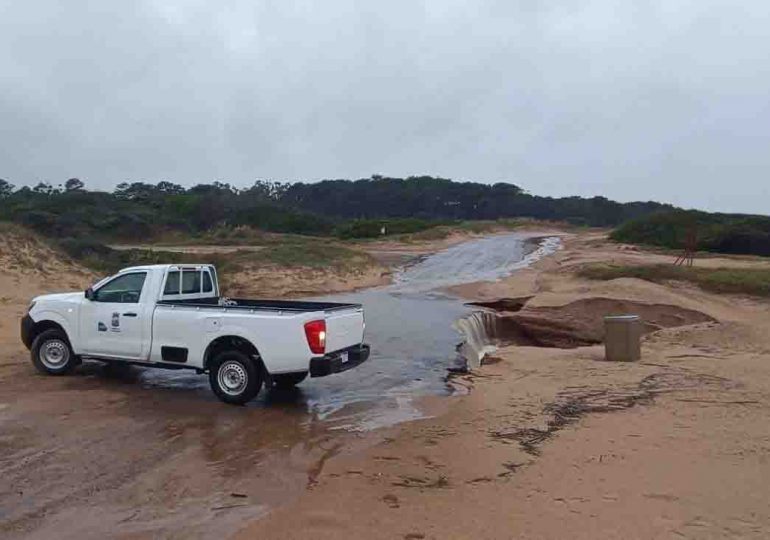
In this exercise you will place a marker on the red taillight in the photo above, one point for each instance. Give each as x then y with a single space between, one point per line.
315 332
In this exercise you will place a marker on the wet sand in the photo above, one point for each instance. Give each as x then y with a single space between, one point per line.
138 453
557 443
542 442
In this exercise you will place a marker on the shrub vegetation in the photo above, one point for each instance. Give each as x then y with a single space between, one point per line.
753 281
720 233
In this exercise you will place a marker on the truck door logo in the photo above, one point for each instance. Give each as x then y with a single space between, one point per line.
115 322
102 327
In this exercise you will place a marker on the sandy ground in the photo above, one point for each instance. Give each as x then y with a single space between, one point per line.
546 443
554 443
115 453
30 268
277 282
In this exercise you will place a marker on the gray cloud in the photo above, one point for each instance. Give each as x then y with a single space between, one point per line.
656 99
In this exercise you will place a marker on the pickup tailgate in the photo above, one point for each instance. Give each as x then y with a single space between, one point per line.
344 328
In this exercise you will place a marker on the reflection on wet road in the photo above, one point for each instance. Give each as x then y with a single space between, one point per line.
410 329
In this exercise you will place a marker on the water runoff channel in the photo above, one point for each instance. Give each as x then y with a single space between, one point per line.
415 330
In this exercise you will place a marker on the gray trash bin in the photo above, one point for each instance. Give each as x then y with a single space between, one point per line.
622 338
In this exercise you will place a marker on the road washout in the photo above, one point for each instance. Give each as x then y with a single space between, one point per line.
577 324
416 332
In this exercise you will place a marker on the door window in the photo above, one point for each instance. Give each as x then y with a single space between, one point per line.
125 289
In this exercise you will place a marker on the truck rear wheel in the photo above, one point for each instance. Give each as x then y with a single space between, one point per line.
234 378
288 380
51 353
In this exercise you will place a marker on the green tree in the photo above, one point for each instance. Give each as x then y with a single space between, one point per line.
74 184
6 188
44 188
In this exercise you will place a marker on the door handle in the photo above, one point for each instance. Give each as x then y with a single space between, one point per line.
129 314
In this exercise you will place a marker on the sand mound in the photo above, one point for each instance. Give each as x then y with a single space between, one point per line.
581 323
276 281
31 266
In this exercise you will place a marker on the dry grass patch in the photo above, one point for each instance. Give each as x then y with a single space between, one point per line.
752 281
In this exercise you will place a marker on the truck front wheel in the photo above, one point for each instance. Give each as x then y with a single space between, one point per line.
234 378
51 353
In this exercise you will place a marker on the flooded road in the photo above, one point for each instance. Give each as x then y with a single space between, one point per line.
152 453
410 327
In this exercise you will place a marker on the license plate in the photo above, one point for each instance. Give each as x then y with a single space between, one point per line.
344 357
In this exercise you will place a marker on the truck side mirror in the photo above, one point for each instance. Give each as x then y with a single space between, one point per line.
89 293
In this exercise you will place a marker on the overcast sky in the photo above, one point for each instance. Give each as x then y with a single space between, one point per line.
631 99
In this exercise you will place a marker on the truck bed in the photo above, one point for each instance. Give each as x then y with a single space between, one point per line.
297 306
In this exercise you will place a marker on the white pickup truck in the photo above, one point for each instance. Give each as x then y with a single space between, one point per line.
172 316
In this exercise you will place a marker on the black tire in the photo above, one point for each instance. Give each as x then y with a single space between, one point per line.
234 377
52 354
288 380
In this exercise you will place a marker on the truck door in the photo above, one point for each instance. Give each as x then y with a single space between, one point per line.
112 321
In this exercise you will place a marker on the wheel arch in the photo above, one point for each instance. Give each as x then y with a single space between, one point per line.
48 323
229 343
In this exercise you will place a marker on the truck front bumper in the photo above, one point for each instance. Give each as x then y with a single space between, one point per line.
335 362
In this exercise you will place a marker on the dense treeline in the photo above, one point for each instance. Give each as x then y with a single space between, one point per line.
141 210
346 208
83 219
432 198
722 233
